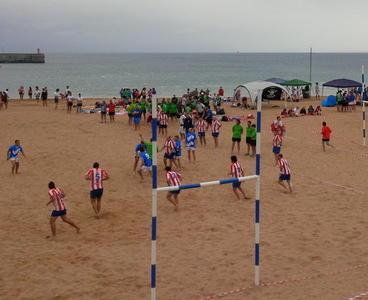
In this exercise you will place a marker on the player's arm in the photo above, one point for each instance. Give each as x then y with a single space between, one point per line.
50 201
87 176
8 154
24 155
105 176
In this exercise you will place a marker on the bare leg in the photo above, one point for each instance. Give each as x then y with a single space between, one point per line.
98 205
94 206
238 146
290 186
236 194
189 156
243 193
13 166
204 141
232 147
16 167
282 184
140 174
194 156
323 146
70 222
53 226
169 198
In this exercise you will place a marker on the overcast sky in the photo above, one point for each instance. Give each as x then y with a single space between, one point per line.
184 25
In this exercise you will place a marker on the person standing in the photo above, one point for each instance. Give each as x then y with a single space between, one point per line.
103 111
44 97
13 156
111 106
137 114
178 151
57 199
236 171
169 153
190 139
316 89
248 134
56 98
220 92
21 92
326 135
69 102
79 103
30 93
285 173
215 128
163 121
97 176
202 126
173 179
237 131
37 93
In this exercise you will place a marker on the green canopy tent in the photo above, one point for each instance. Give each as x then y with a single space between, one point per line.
298 83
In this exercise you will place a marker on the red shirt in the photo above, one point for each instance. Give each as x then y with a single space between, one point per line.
111 107
221 92
326 132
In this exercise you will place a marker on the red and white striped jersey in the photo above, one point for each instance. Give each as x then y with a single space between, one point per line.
163 119
215 126
96 176
236 170
173 178
57 197
284 166
169 146
277 140
201 126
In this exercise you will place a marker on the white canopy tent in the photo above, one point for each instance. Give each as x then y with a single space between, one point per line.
250 90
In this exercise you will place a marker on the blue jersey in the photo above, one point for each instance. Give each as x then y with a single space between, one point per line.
136 114
146 159
178 148
191 139
140 148
14 151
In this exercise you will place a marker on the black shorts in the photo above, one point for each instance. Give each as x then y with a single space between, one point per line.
253 142
56 100
103 112
169 155
162 126
236 140
325 140
175 192
96 194
112 113
173 114
58 213
70 103
248 139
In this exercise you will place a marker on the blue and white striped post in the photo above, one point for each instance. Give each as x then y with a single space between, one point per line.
154 198
258 190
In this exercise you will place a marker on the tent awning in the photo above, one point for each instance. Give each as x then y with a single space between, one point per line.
343 83
296 82
252 88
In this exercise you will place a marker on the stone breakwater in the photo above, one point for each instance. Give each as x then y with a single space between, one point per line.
22 58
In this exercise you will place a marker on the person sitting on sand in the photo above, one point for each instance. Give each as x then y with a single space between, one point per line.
303 111
318 111
284 113
296 111
236 171
96 176
173 179
57 199
310 110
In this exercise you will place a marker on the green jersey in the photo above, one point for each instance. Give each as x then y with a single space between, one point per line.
237 131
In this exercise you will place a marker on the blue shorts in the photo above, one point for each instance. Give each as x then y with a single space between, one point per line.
136 121
285 177
201 134
215 134
58 213
96 194
169 155
178 154
236 185
276 150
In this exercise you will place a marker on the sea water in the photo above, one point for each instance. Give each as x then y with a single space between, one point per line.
103 75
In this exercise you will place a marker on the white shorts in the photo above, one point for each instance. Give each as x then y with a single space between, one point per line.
191 148
16 159
181 130
146 169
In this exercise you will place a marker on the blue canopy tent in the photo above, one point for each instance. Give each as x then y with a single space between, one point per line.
276 80
342 83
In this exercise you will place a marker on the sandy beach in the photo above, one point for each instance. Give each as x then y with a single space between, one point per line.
318 234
